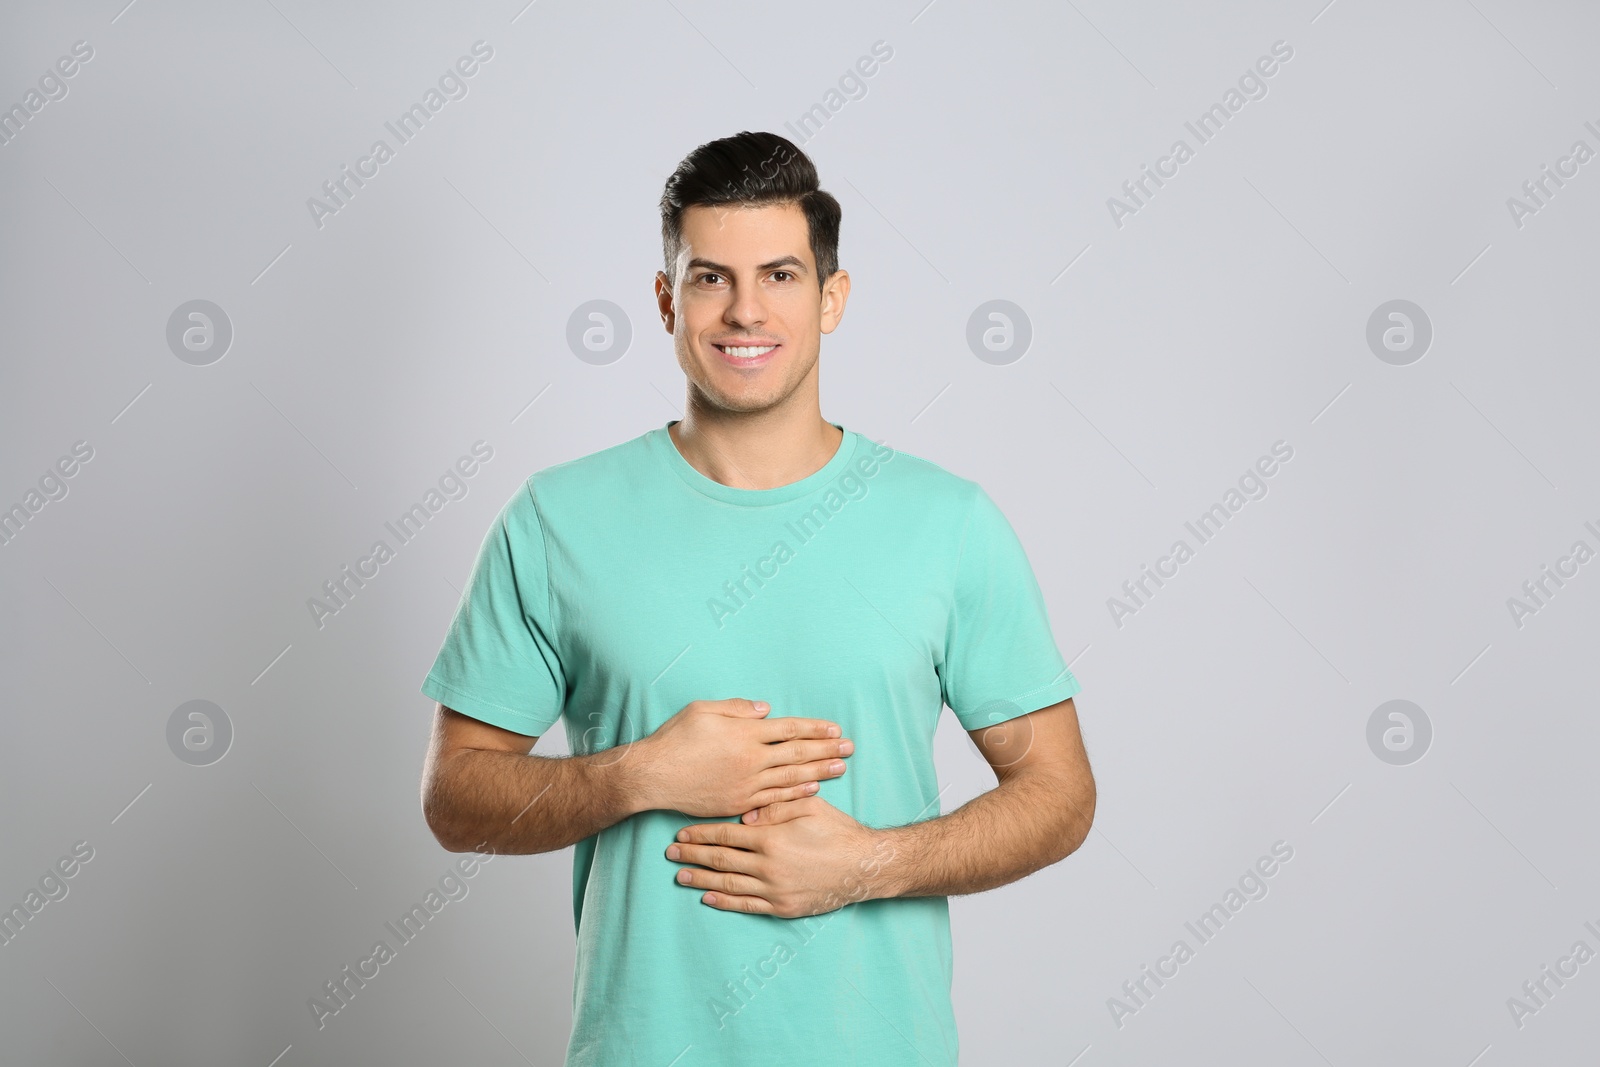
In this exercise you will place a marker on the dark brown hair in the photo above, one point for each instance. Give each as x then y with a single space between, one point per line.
751 169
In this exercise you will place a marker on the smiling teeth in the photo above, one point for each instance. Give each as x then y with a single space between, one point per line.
747 353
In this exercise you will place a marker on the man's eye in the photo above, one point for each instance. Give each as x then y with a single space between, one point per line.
785 273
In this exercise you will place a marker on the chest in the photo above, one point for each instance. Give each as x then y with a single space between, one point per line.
762 606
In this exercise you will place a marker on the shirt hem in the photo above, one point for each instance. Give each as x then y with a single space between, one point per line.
488 711
1033 700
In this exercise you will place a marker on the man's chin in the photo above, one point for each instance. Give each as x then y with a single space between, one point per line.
742 403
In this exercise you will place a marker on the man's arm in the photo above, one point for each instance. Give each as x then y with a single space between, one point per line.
481 788
484 791
1038 814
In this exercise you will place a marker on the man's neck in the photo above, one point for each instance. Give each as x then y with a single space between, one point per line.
764 450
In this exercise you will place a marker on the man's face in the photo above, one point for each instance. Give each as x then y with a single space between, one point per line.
746 315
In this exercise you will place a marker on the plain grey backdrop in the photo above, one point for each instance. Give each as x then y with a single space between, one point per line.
1364 260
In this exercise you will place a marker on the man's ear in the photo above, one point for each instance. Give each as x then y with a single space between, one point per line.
835 291
664 301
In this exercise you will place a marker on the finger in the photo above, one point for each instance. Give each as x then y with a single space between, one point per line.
785 753
789 728
801 773
798 774
773 796
715 857
741 708
720 881
727 834
731 902
783 811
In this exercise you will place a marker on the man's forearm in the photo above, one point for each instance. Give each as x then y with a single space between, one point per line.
519 804
1027 822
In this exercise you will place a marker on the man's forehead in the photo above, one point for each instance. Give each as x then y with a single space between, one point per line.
777 218
729 233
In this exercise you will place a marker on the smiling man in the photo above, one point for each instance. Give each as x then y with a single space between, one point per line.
722 611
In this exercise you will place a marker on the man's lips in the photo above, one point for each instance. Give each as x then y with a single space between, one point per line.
746 362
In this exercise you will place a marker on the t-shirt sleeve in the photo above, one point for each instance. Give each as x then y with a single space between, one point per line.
498 662
1000 658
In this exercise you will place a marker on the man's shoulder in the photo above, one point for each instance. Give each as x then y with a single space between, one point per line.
585 486
928 482
622 455
600 472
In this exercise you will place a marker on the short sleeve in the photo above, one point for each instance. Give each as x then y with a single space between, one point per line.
1000 657
498 662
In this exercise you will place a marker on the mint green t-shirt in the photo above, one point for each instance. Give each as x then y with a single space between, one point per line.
614 589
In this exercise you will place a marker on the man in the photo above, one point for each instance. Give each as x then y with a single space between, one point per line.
724 610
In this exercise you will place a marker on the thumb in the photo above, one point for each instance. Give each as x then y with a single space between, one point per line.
745 709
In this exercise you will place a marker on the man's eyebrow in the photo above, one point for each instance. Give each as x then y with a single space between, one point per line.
785 261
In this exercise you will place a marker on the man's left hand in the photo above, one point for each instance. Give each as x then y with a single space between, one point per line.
789 859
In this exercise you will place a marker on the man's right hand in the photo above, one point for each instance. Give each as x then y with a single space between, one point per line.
724 757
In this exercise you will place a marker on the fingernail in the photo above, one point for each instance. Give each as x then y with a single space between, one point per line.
846 747
833 731
812 787
837 766
683 835
684 876
762 705
672 852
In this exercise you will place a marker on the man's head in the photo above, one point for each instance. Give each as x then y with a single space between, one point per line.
751 246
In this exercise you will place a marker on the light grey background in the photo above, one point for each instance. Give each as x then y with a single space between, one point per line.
1167 354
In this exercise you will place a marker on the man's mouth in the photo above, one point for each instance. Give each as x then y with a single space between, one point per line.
746 355
744 351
